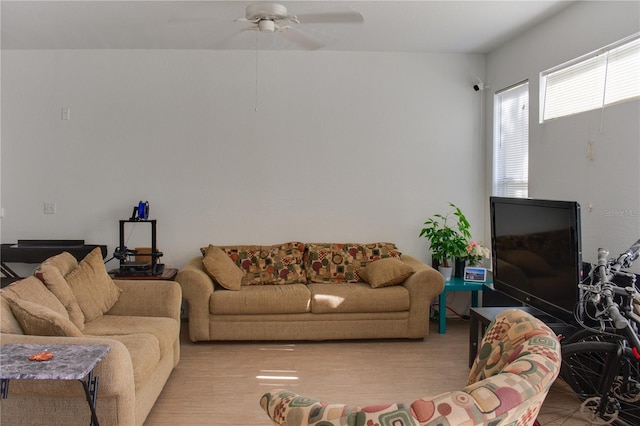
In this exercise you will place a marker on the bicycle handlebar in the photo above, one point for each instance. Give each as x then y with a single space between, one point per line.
626 259
605 290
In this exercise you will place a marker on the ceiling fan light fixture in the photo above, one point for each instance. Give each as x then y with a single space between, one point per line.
266 25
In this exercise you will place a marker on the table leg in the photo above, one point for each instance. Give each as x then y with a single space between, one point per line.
4 388
474 298
442 313
90 386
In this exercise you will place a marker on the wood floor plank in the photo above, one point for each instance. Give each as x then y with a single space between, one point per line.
220 383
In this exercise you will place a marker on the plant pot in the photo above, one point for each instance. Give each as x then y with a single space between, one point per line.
446 272
460 264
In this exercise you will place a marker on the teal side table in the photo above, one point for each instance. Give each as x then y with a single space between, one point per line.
456 284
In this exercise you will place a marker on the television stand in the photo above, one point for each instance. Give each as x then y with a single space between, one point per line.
481 317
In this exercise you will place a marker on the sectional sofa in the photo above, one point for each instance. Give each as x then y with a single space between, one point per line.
307 291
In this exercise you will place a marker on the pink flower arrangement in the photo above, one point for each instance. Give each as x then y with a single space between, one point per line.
476 252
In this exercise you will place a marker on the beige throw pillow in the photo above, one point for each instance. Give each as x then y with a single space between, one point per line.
38 320
222 269
386 272
53 277
31 289
92 286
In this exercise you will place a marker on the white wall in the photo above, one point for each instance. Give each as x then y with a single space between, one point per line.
608 188
343 146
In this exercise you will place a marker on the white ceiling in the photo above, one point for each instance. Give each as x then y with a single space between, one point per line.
402 26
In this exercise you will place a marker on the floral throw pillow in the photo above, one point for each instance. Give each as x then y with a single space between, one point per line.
269 265
377 251
335 263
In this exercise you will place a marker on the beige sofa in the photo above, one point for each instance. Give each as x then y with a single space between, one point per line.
298 291
67 302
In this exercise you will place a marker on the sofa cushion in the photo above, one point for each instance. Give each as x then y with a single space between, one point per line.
334 263
357 297
32 290
144 350
386 272
38 320
164 329
93 287
279 299
277 264
222 269
52 272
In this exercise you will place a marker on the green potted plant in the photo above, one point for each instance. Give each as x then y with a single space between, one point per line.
447 241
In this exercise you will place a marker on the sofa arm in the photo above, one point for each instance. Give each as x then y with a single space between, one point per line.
424 285
197 288
287 408
148 298
115 370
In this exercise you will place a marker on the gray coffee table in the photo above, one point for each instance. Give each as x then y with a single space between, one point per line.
69 362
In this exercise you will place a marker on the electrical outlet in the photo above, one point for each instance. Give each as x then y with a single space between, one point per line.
49 208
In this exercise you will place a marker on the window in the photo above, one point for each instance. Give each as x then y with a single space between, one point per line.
601 78
511 142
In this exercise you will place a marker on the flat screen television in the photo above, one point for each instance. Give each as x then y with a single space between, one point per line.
536 253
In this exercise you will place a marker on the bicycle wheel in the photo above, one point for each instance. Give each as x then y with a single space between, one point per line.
583 369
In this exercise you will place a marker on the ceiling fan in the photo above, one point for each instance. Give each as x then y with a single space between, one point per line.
274 17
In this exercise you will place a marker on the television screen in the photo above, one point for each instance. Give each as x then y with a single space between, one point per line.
536 252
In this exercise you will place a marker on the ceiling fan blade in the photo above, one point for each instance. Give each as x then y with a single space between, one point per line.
348 17
301 39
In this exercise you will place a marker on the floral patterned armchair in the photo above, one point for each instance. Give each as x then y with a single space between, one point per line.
518 360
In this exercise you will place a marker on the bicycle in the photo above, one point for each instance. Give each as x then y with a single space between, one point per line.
602 364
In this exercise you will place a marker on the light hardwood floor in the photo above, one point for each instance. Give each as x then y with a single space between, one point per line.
220 384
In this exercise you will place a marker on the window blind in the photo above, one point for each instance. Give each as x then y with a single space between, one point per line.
511 142
601 78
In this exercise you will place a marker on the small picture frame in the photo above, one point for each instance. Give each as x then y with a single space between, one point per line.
475 274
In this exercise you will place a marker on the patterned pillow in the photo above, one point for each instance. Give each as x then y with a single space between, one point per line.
269 265
376 251
334 263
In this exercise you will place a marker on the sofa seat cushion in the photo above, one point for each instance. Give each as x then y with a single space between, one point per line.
264 299
164 329
144 350
357 297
